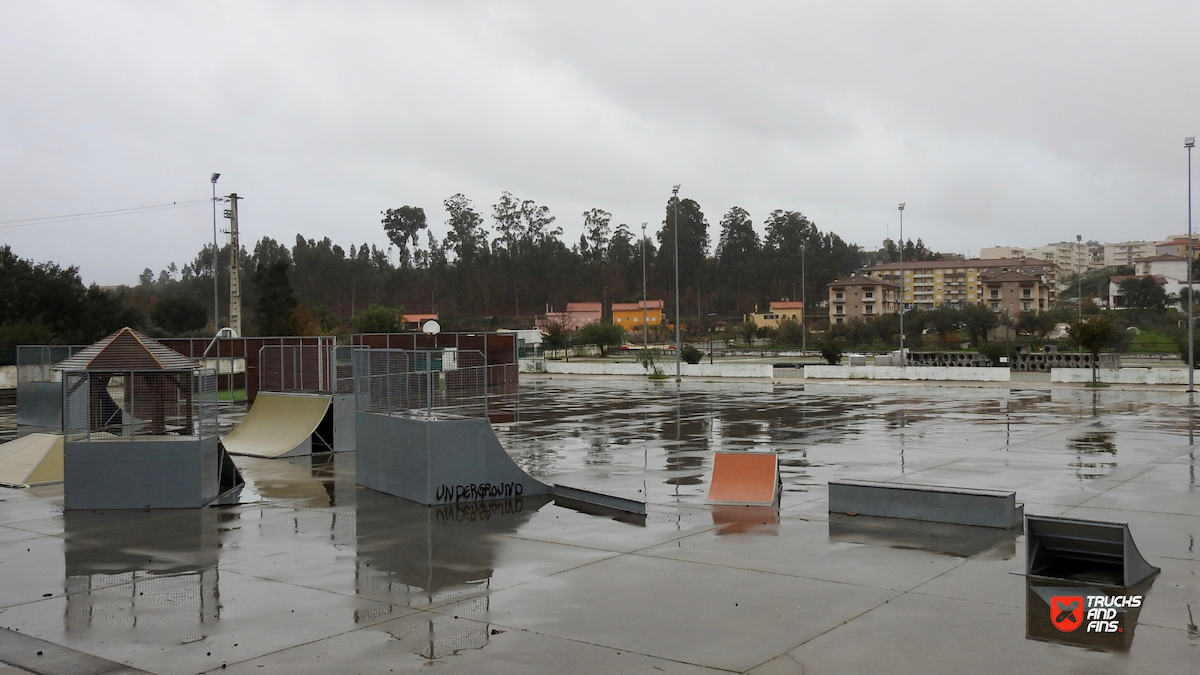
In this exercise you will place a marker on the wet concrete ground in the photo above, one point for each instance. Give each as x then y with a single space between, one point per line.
316 575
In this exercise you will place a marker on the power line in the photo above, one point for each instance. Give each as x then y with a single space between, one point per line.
48 220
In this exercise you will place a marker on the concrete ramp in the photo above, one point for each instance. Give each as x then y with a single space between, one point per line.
35 459
749 478
282 425
438 461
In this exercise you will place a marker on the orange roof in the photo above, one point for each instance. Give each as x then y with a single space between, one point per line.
632 306
419 317
585 307
787 304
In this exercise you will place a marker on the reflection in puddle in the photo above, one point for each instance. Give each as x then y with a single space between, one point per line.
411 555
1091 447
735 519
961 541
110 587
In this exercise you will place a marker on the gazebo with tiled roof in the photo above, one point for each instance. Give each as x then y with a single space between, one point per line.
140 427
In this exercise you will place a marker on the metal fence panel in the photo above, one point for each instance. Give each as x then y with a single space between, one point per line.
131 405
442 383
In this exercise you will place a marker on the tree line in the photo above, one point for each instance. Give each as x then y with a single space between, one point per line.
504 269
501 269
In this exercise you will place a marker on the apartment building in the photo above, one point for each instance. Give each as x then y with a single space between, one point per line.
1074 257
1177 245
1012 292
862 297
778 311
956 283
1070 256
1129 252
995 252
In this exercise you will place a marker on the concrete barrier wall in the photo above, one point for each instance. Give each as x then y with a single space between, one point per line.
688 370
8 377
1122 375
937 373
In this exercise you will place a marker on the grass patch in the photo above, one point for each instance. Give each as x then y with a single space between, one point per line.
235 395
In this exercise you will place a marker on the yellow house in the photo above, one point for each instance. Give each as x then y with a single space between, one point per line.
628 315
778 311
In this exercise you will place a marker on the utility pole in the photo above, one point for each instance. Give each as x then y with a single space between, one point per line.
216 292
645 337
902 359
678 344
1189 143
803 293
235 276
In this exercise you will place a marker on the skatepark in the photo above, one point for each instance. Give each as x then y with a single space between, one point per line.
309 571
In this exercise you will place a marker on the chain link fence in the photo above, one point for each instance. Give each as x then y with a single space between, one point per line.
434 384
133 405
34 362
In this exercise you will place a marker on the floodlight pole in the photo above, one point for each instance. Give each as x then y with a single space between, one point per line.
1189 143
216 292
902 359
678 344
803 294
645 338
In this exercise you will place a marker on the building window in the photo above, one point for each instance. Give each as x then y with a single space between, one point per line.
870 309
995 307
869 295
995 294
840 309
1027 306
1025 293
839 320
837 296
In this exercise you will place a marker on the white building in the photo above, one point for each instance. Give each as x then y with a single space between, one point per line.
1128 252
1172 267
1070 256
999 252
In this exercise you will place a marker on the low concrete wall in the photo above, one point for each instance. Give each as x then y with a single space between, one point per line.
942 373
8 377
688 370
1122 375
985 508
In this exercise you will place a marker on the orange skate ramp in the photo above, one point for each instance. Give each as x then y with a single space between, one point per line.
750 478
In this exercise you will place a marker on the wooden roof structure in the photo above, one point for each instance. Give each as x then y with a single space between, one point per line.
127 350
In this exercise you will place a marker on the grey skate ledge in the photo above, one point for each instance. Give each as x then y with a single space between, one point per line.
599 499
962 506
1092 550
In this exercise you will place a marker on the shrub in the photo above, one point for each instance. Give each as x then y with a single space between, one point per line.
691 354
831 351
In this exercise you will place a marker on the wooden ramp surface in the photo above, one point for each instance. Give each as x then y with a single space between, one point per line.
744 478
35 459
277 425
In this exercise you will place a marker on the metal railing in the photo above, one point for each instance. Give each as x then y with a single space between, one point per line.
143 406
434 384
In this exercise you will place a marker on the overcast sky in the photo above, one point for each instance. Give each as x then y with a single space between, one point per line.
1016 124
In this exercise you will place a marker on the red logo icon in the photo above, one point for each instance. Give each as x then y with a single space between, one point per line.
1066 612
